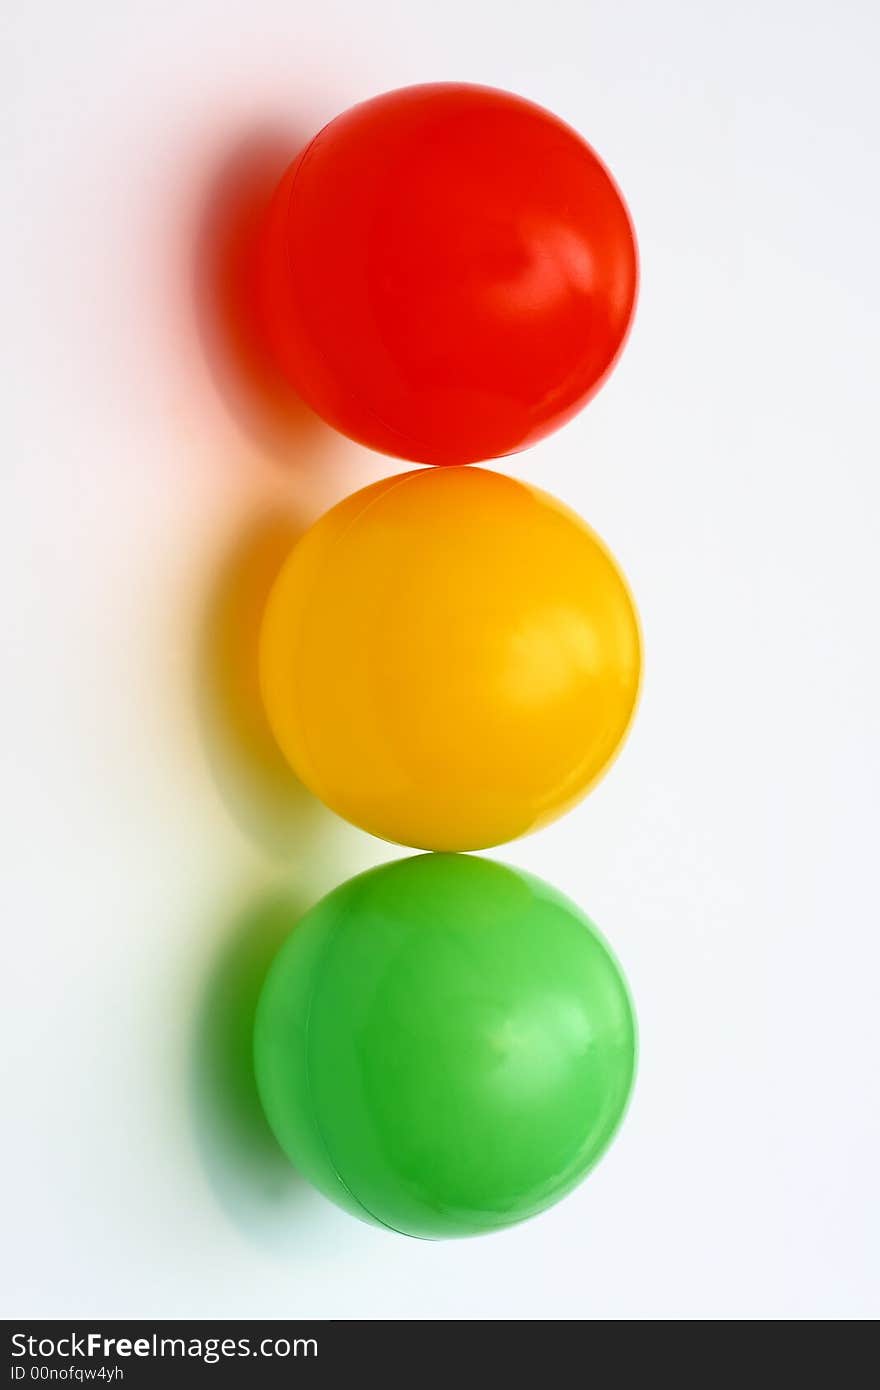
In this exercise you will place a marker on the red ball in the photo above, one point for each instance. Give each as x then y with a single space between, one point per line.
449 273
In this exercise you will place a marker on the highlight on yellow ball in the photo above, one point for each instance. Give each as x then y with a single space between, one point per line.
450 658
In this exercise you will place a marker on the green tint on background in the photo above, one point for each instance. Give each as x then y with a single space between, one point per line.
444 1045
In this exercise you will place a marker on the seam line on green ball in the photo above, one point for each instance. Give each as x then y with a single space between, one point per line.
371 1216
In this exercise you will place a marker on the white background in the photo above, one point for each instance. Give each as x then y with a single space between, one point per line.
730 856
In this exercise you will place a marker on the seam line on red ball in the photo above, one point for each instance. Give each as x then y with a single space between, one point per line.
353 395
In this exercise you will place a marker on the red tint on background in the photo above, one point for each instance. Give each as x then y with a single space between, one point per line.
229 301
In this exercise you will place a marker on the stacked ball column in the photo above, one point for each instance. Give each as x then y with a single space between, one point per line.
450 659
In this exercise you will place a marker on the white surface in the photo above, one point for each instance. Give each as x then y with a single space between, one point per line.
730 856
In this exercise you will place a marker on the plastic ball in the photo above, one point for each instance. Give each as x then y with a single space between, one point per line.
444 1046
449 658
449 273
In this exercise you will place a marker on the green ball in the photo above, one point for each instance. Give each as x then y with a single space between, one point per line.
444 1046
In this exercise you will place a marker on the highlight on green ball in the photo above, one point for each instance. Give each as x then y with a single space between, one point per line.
444 1046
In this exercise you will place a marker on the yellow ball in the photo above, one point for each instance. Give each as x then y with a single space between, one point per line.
450 658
